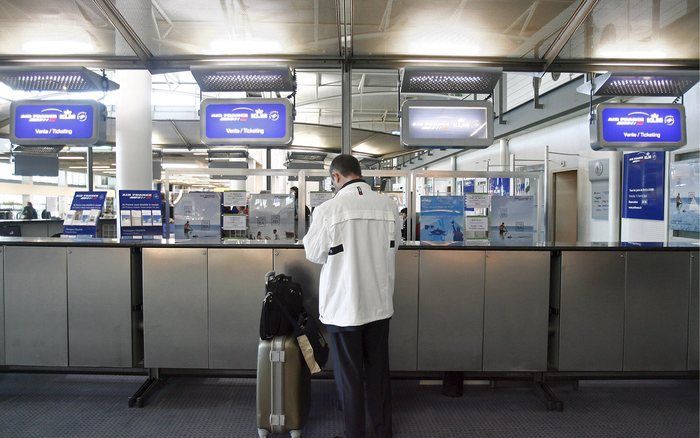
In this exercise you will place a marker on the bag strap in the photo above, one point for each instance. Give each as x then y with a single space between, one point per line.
287 315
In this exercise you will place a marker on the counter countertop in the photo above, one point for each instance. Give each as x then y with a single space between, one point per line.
237 243
18 221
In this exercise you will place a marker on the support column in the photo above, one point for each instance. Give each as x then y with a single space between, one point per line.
346 98
134 127
90 171
615 187
133 136
503 154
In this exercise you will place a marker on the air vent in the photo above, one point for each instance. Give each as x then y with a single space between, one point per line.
449 80
244 78
68 79
661 83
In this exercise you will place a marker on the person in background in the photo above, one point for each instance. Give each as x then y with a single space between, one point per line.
29 212
294 191
355 236
404 228
45 214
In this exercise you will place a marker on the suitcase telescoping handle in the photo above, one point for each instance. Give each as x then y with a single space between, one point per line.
269 276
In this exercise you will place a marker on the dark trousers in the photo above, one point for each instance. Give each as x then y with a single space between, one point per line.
361 371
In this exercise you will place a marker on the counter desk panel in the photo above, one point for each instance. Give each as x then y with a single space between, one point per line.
614 308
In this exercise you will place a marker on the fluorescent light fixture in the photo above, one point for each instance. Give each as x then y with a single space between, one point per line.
201 153
68 157
53 47
179 166
450 79
629 83
177 151
243 46
244 78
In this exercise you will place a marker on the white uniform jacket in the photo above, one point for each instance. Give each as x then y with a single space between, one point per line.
355 236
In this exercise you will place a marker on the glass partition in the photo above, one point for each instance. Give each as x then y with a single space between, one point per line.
491 208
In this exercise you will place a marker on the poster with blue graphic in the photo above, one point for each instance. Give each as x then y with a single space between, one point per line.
512 219
81 219
198 214
140 215
643 186
684 198
499 186
246 121
49 122
442 219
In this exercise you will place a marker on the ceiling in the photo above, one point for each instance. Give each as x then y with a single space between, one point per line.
519 34
318 37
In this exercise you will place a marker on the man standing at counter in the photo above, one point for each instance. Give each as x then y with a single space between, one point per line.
355 236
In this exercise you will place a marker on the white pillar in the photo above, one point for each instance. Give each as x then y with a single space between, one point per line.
503 153
134 126
614 178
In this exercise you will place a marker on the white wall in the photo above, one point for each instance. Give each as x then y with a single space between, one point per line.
572 136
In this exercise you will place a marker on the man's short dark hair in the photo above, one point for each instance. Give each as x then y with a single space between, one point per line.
346 165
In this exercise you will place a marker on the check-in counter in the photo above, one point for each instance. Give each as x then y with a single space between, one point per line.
625 310
68 306
31 227
581 308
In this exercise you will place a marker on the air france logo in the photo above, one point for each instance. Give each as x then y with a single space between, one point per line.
82 116
669 120
274 116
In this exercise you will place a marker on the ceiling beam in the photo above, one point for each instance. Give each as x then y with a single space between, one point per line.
165 64
579 16
115 17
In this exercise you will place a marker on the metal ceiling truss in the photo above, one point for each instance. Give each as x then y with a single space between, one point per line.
345 12
110 10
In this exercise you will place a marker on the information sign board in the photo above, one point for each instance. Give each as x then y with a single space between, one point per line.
247 121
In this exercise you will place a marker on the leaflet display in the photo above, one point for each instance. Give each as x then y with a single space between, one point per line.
235 198
318 198
57 122
81 219
643 186
623 126
439 123
247 121
140 214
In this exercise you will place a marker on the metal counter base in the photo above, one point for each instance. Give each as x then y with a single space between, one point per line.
536 314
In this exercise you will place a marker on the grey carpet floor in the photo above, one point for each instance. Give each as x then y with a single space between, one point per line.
34 405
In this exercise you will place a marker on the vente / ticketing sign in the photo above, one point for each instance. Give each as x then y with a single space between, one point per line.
56 122
246 121
639 126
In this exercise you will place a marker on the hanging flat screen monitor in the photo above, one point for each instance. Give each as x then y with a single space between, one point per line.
36 165
626 126
54 122
440 124
263 122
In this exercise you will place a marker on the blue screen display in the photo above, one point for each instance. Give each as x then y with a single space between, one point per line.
54 122
246 121
642 125
447 123
643 186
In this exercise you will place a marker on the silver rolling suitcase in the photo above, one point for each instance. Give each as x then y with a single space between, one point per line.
283 387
